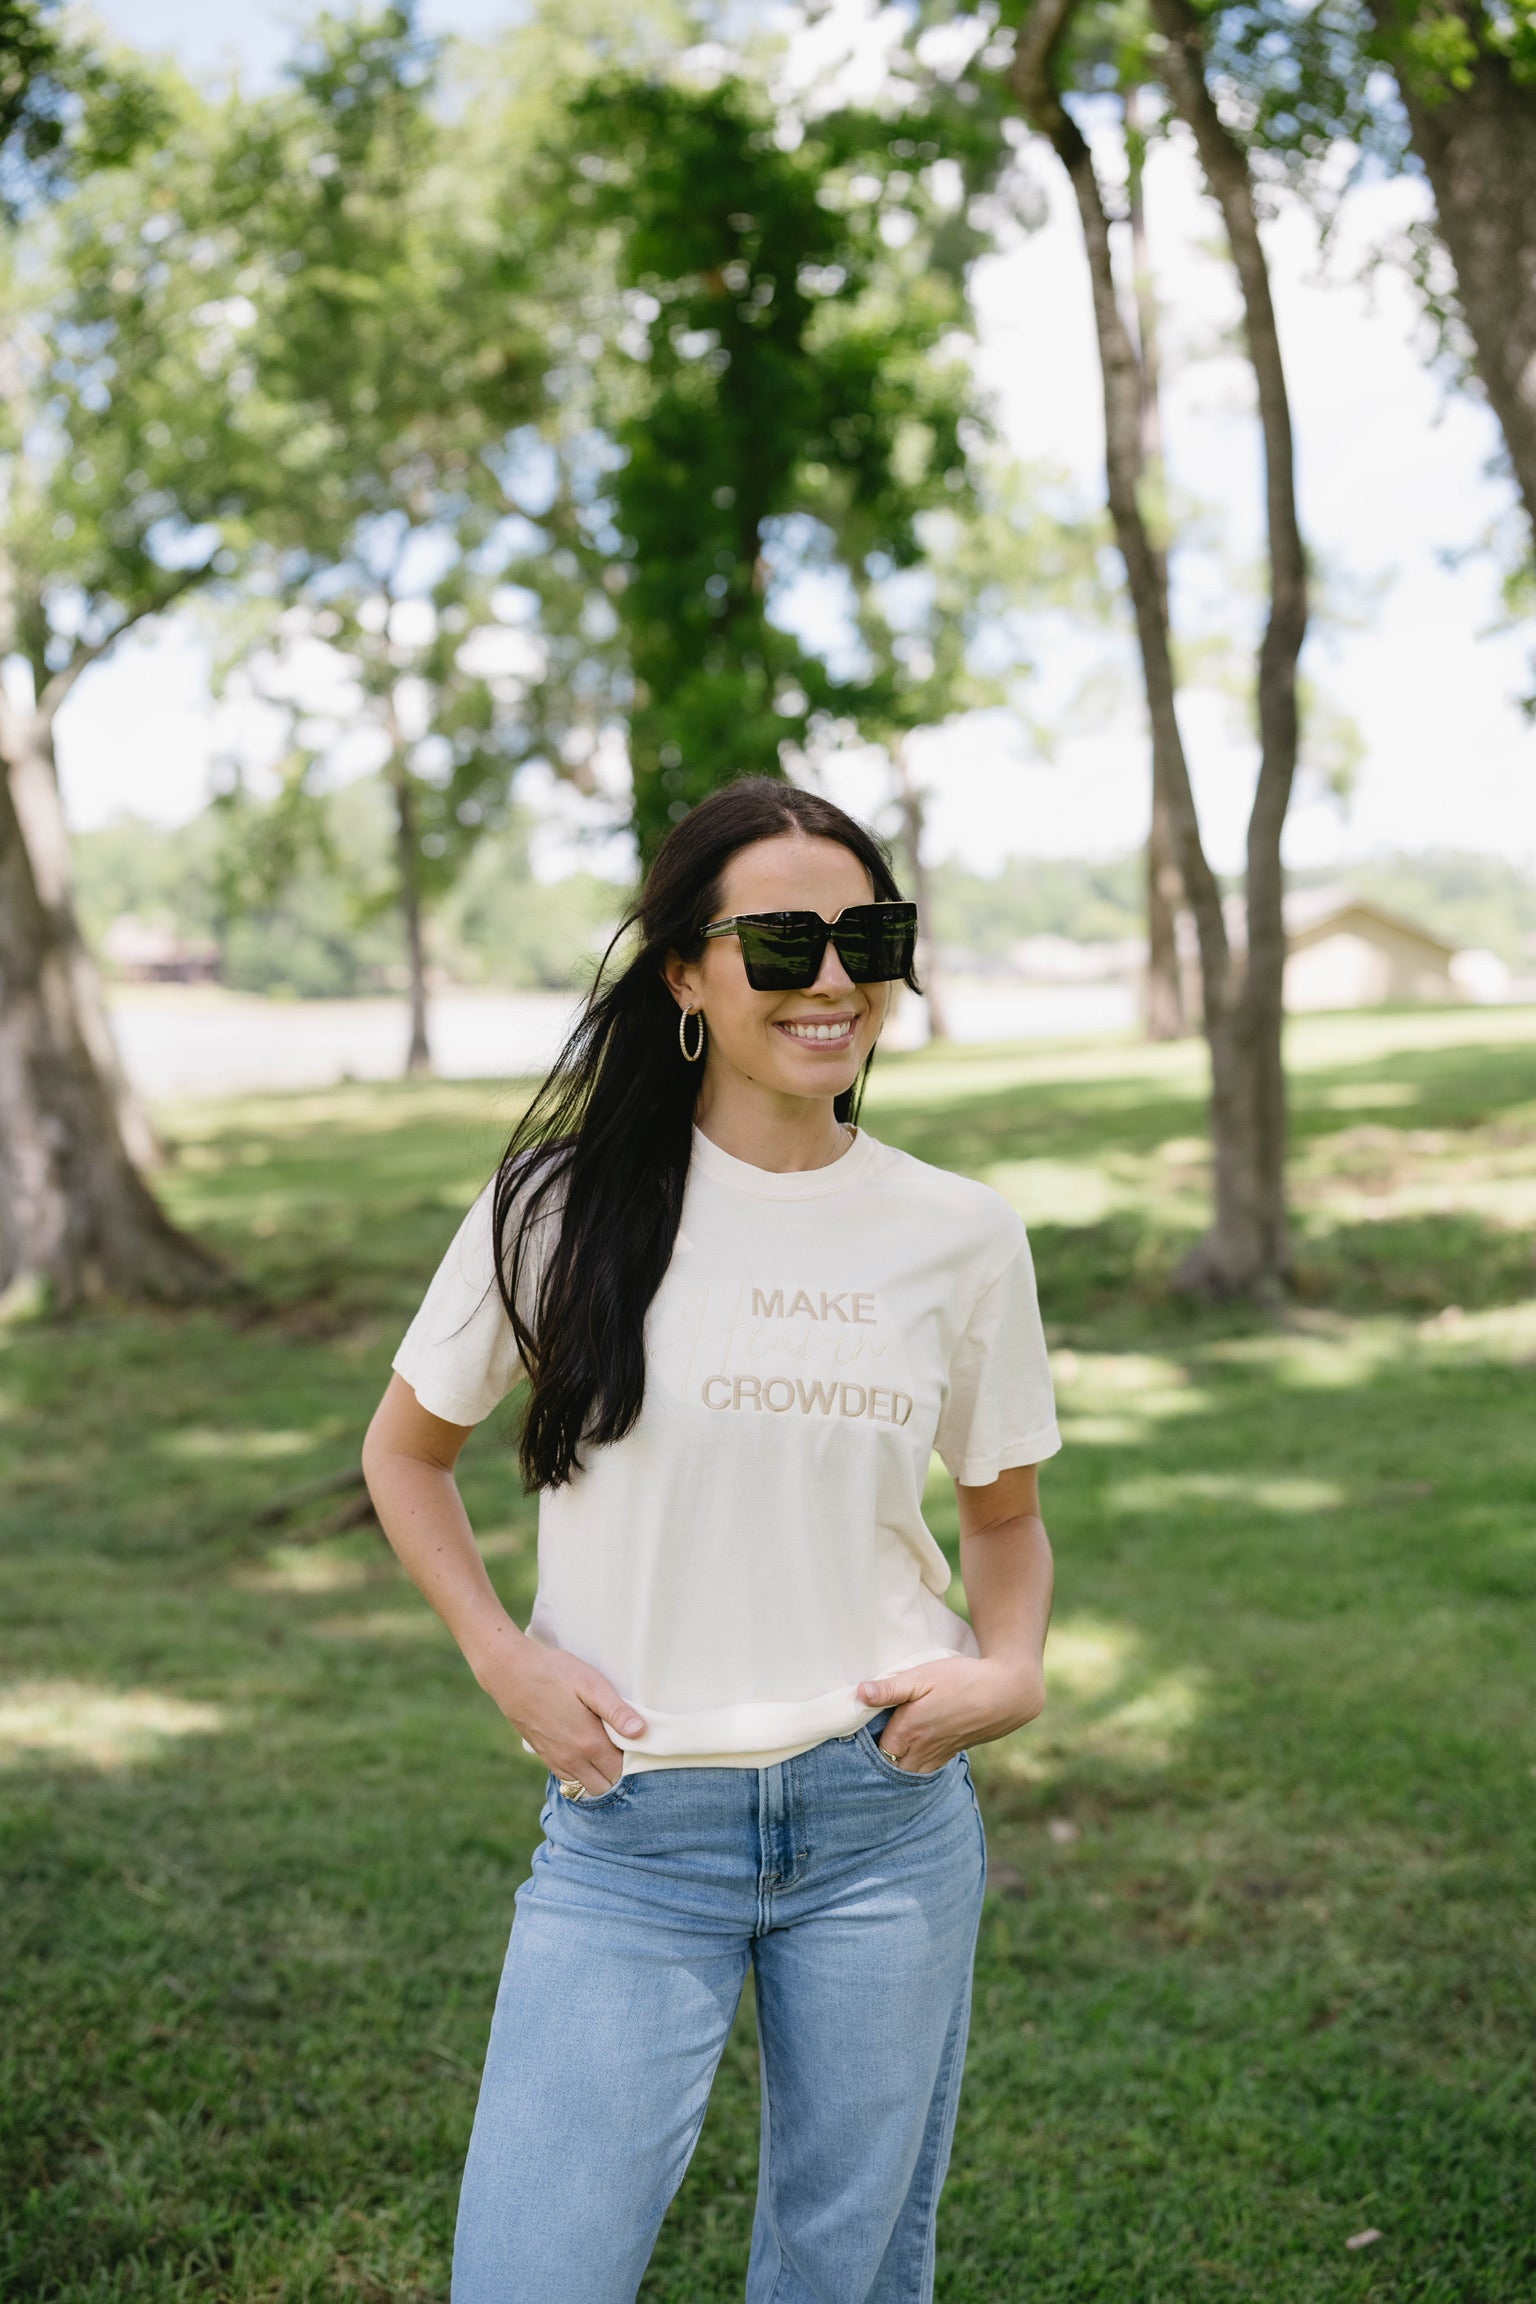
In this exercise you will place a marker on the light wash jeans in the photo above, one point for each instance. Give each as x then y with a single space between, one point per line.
853 1890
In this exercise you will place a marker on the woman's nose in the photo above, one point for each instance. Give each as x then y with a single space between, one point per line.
832 976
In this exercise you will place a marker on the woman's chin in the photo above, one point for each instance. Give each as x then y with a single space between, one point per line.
829 1075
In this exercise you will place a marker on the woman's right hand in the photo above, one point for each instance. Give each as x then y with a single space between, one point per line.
558 1703
562 1707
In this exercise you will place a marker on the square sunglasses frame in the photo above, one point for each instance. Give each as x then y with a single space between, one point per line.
878 918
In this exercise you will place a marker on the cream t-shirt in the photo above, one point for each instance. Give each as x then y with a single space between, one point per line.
755 1546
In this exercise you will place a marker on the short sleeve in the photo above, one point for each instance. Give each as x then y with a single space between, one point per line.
459 1356
1000 1410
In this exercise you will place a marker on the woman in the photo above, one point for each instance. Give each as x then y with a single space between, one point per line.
745 1324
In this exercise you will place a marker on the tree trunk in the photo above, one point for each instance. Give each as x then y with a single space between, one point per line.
911 802
1121 374
1164 1016
1478 146
1244 1251
34 779
1258 1019
76 1218
418 1056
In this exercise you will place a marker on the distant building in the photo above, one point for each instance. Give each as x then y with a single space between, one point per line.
144 952
1344 951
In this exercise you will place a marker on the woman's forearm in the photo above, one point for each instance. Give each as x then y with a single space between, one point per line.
952 1701
562 1707
422 1513
1008 1574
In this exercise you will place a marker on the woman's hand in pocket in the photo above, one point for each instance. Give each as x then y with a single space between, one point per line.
563 1708
938 1709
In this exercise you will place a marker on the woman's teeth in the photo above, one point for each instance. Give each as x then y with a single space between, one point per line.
819 1031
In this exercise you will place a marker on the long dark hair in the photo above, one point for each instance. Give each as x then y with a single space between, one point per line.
590 1191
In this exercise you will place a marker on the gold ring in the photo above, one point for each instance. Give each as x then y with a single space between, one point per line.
572 1787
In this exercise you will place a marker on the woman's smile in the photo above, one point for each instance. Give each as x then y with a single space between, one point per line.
834 1032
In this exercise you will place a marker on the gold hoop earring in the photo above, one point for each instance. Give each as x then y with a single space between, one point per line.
690 1055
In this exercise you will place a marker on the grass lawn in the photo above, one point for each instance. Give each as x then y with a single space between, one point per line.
1258 1967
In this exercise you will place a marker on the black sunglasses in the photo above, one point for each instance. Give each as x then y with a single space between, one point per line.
783 951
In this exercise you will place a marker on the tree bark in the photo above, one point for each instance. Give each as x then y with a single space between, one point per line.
1478 146
26 751
911 802
418 1056
76 1218
1257 1017
1164 1016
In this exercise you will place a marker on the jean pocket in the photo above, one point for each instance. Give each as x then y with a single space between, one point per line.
889 1769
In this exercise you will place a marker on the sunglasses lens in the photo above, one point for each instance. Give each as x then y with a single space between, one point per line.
783 950
875 942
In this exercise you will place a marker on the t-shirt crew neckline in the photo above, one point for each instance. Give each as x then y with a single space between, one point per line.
776 1184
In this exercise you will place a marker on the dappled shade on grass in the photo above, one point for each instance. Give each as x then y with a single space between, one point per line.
1256 1966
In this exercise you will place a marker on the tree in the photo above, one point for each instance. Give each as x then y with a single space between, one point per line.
1164 1012
1467 72
398 321
1245 1250
779 394
76 1218
1250 1248
282 343
116 377
447 681
1304 80
390 321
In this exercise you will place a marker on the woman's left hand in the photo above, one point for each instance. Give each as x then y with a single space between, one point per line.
939 1708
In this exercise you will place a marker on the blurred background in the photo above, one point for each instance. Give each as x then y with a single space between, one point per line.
224 765
1095 441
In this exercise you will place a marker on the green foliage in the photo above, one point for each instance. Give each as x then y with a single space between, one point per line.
137 444
958 632
1307 80
403 319
391 315
986 914
29 57
1256 1960
1468 899
501 925
298 891
1440 45
166 876
304 891
777 400
289 889
316 348
67 107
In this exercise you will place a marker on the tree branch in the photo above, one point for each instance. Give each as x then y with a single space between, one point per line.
1040 101
85 653
1225 166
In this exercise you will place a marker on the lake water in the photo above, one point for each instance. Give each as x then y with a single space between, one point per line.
196 1040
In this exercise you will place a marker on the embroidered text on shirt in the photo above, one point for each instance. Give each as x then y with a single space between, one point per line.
779 1394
